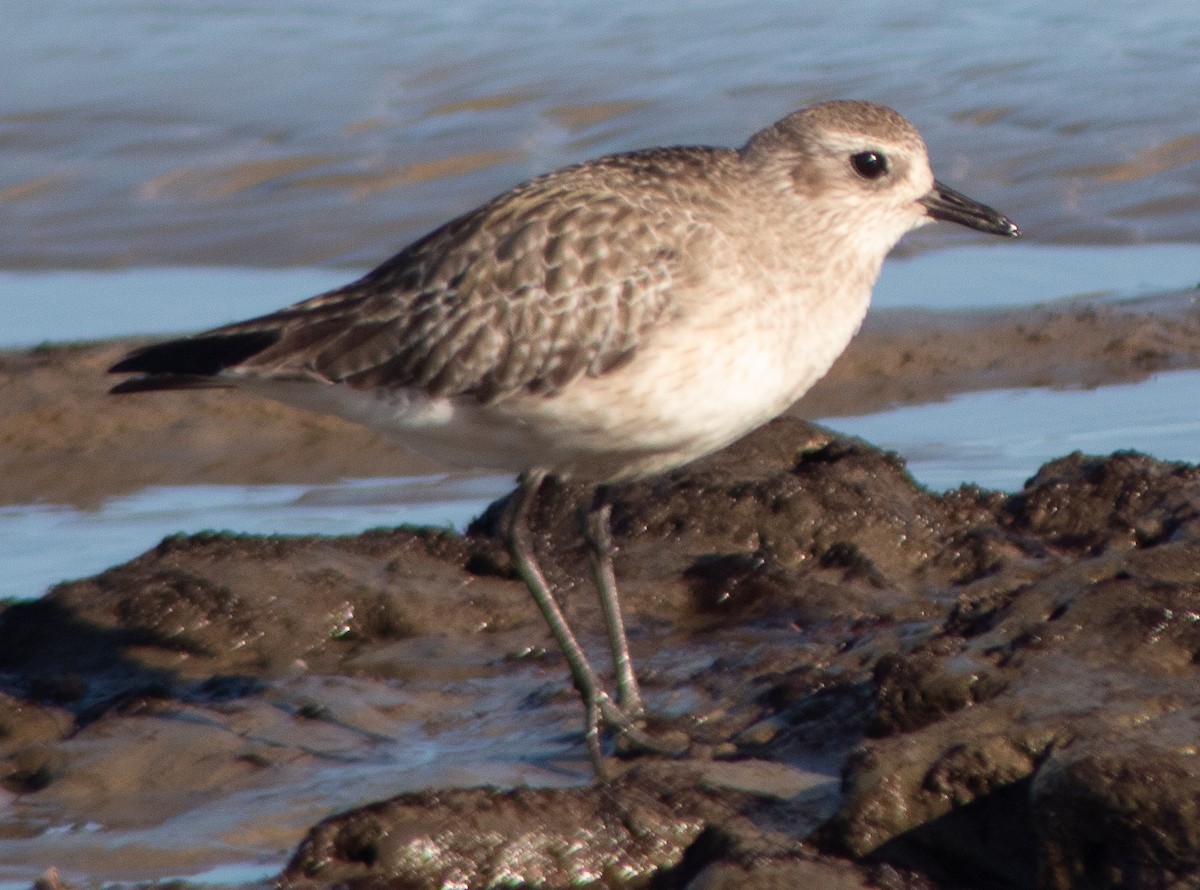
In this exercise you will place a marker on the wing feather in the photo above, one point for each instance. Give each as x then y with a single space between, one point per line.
560 277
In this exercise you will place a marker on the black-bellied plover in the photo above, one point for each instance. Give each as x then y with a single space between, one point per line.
608 321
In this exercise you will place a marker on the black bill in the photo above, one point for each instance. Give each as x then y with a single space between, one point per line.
945 203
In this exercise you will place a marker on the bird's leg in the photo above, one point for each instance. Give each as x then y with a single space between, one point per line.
597 533
598 706
622 719
582 674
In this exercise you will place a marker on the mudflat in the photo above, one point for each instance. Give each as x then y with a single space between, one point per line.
883 686
64 441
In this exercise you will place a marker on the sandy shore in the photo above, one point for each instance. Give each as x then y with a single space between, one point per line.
63 440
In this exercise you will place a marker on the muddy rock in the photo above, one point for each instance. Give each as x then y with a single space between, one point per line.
636 827
884 687
214 604
1121 810
664 825
1098 638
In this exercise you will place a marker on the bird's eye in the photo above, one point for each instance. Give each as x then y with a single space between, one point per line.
870 164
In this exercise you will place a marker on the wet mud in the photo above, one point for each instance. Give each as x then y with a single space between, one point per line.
63 440
883 687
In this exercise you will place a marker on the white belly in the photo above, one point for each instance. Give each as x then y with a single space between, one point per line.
690 390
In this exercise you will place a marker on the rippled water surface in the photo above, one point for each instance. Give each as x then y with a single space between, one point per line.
134 132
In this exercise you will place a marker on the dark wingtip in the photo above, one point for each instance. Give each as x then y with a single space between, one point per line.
193 357
159 382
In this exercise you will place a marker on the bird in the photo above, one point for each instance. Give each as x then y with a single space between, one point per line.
607 321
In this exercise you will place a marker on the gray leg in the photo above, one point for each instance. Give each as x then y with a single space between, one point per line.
597 532
582 674
597 704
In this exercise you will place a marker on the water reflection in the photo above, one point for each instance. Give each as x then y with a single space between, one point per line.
992 439
998 439
41 545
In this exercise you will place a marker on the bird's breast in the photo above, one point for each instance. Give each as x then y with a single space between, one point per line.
698 384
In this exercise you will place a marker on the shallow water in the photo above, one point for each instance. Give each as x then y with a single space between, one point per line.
136 133
45 306
41 545
378 744
994 439
998 439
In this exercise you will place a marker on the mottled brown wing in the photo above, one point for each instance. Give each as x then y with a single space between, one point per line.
560 277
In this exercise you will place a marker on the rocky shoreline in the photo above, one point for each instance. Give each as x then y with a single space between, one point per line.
1006 686
884 687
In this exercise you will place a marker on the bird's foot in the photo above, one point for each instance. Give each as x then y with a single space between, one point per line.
631 734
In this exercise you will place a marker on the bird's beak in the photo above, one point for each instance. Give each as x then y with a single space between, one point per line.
943 202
